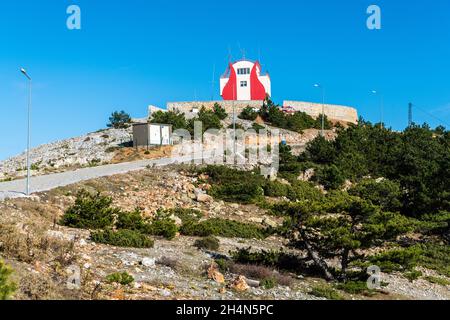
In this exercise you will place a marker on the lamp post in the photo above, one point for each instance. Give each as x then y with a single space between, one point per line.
381 106
318 85
24 72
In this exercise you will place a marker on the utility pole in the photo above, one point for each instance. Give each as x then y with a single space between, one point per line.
234 128
381 106
317 85
24 72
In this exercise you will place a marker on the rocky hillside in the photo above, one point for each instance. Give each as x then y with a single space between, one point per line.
91 149
43 253
111 146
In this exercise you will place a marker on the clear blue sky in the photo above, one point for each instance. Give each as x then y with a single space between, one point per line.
133 53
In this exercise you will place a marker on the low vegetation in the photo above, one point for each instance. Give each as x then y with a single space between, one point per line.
7 287
122 278
223 228
90 211
327 292
275 116
210 119
122 238
209 243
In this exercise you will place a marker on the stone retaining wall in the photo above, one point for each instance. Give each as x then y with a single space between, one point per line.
188 107
333 112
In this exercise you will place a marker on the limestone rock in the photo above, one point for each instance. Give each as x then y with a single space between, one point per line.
214 274
204 198
306 175
149 262
240 284
270 223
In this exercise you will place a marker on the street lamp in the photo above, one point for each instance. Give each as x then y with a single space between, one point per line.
318 85
381 106
24 72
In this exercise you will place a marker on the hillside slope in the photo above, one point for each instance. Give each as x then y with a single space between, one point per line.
93 148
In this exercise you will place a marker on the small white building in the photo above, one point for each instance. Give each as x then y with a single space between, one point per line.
151 134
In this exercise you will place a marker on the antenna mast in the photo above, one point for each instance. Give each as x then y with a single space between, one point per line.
410 114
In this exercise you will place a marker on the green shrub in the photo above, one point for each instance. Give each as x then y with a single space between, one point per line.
386 193
122 278
208 118
209 243
235 185
122 238
276 189
164 228
131 221
275 259
219 111
119 120
186 215
301 190
319 151
330 176
326 292
355 287
412 275
268 283
401 259
7 287
437 280
224 228
436 257
248 113
257 127
238 191
90 211
223 264
176 119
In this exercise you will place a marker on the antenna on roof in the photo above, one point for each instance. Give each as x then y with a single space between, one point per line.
242 51
230 56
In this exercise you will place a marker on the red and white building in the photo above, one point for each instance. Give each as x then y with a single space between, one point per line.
244 81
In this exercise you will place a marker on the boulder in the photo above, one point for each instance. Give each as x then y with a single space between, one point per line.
204 198
214 274
148 262
270 223
240 284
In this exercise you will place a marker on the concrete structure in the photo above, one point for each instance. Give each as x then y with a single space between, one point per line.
152 109
244 81
191 108
334 113
151 134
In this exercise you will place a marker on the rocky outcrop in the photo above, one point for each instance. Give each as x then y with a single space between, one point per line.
91 149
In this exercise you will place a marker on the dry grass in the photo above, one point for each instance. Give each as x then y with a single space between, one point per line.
260 273
133 154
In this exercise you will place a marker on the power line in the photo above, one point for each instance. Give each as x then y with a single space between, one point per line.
432 116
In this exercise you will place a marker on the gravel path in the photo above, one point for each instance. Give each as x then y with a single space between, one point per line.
16 188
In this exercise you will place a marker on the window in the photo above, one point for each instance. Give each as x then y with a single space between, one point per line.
243 71
243 84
